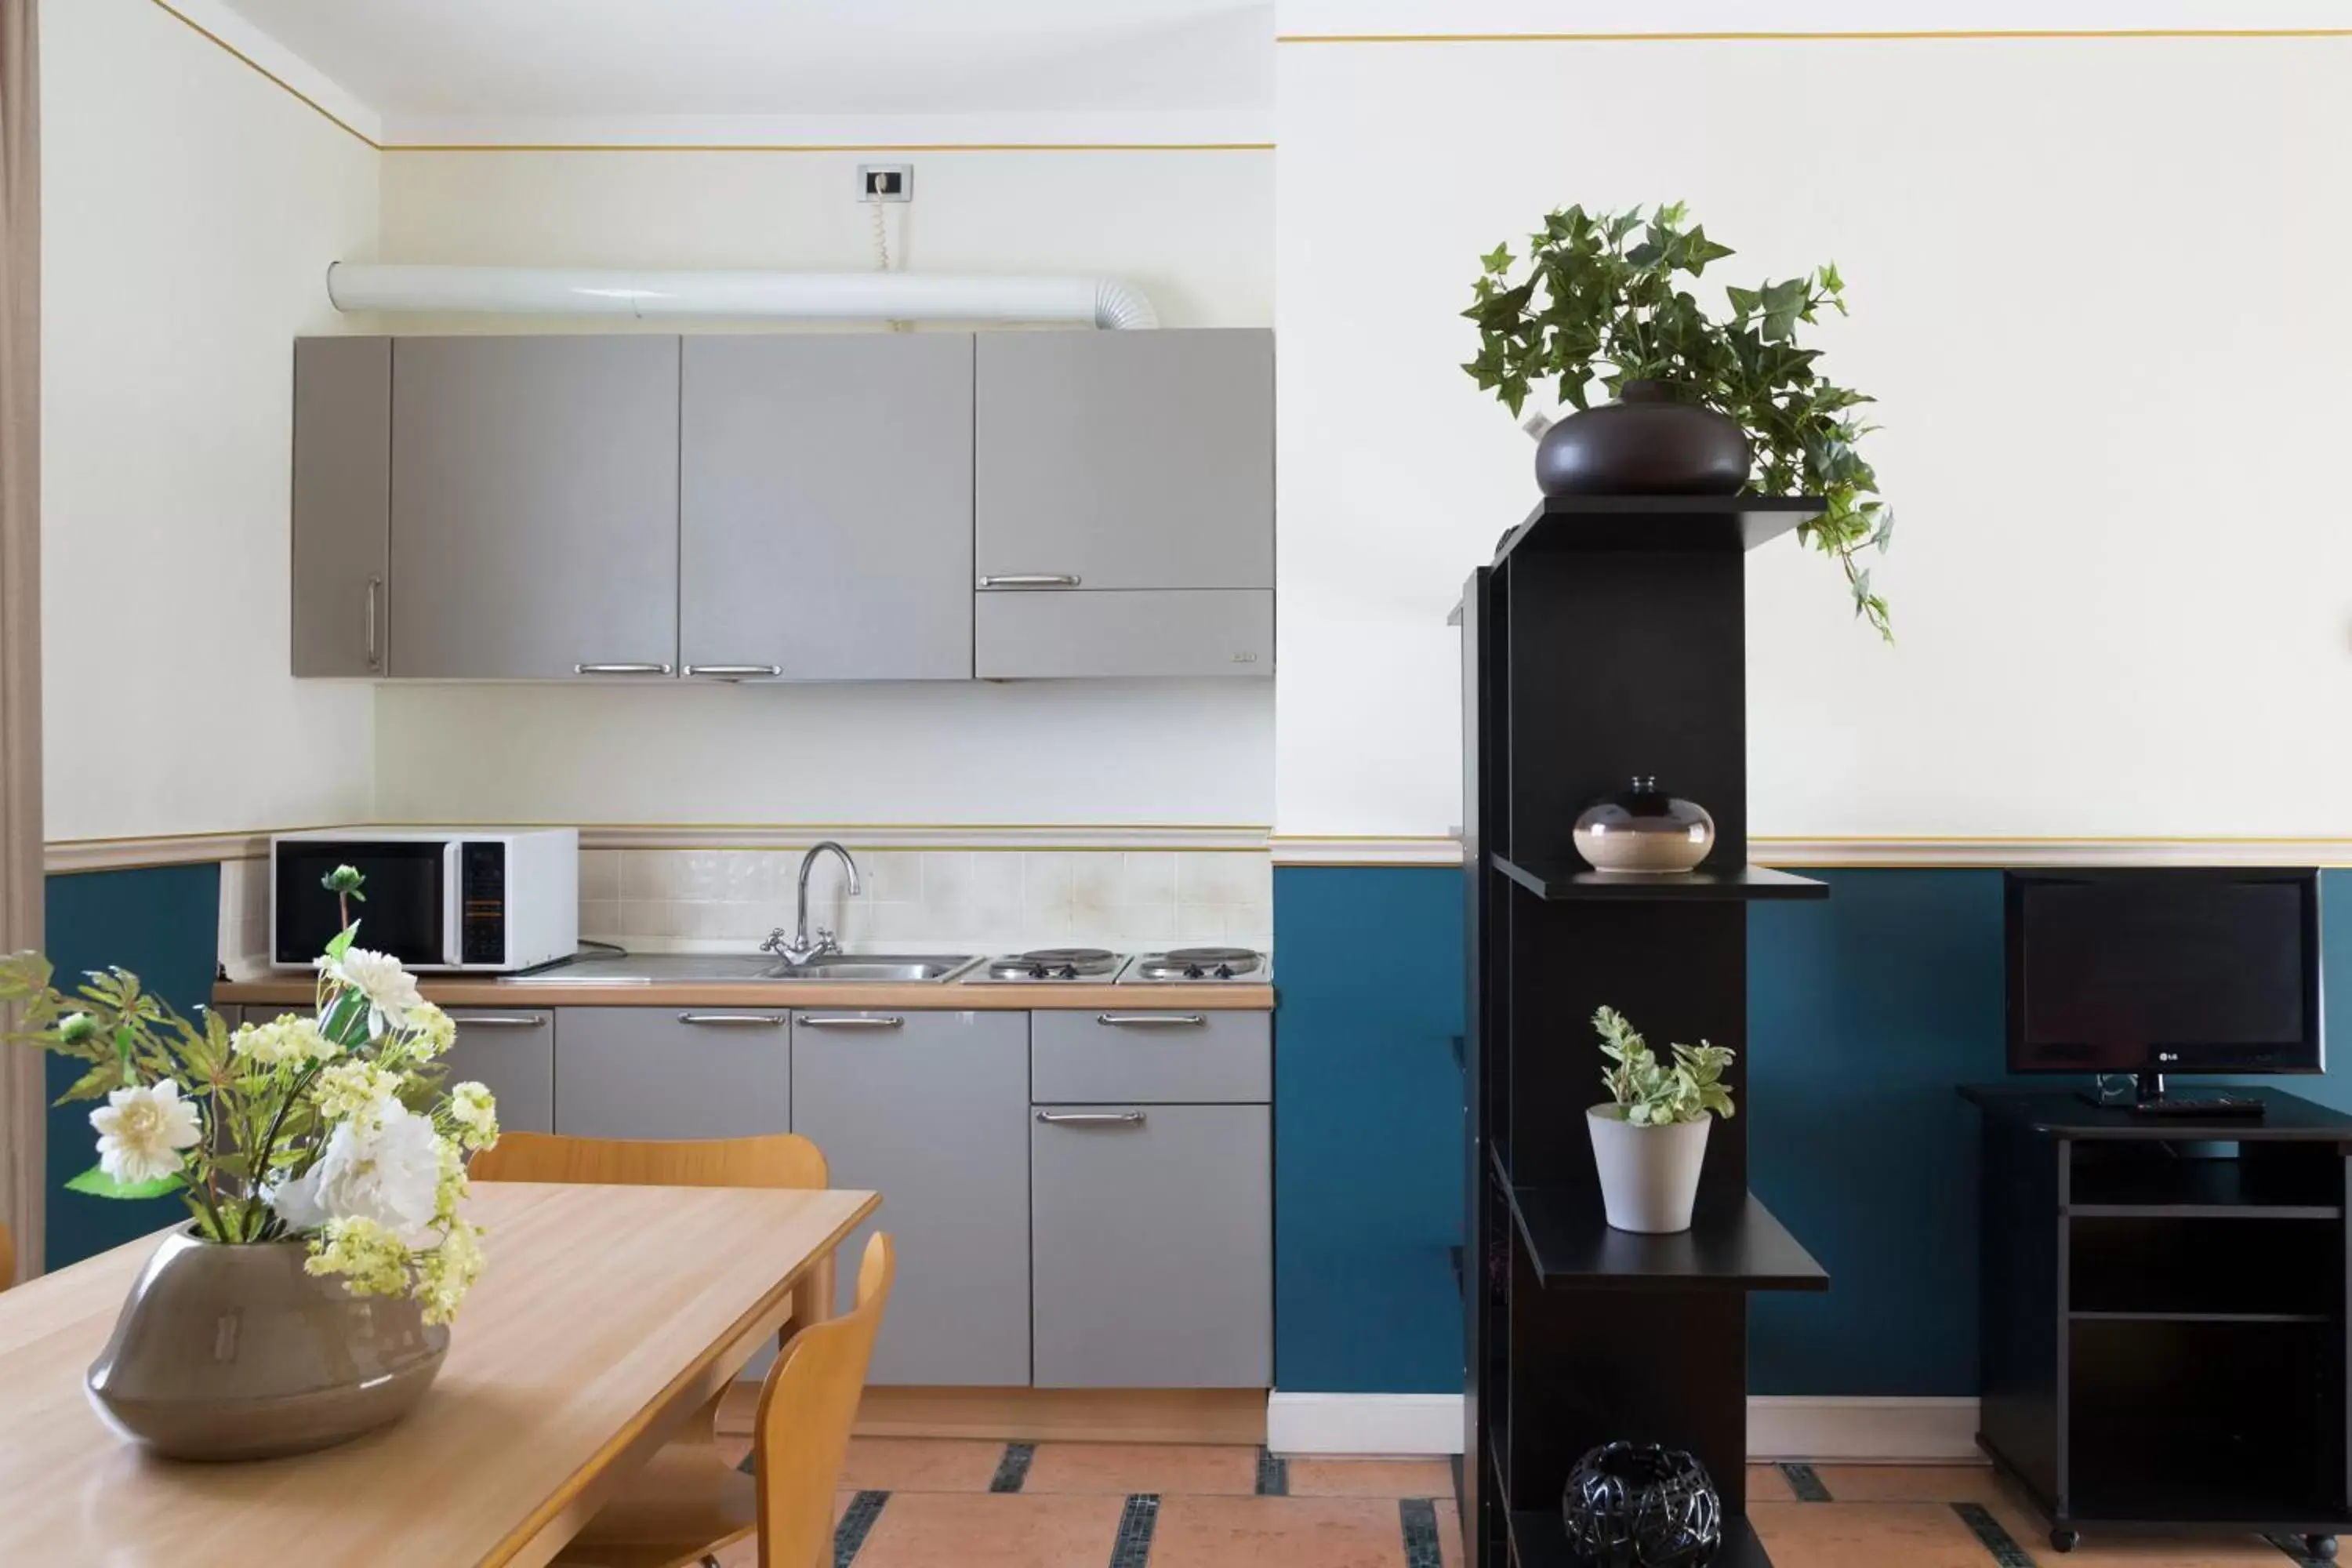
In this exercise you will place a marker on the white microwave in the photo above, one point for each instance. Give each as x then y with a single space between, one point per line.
435 898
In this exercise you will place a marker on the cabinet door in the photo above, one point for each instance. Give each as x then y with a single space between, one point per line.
931 1112
534 506
826 506
511 1051
1124 633
1125 459
343 504
657 1072
1153 1239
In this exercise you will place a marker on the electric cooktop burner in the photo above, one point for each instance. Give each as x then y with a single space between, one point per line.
1055 963
1191 964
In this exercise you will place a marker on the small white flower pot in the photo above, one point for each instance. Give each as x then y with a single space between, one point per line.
1649 1175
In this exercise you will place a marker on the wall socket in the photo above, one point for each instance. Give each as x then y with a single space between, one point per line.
886 181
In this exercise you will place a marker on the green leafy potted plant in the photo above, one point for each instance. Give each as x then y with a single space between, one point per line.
1649 1139
1707 406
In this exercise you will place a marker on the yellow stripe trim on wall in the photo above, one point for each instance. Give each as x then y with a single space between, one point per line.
263 71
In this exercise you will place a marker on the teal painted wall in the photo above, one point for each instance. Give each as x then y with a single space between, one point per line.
1368 1130
163 925
1864 1013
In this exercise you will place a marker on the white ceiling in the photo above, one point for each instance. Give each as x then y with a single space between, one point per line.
426 65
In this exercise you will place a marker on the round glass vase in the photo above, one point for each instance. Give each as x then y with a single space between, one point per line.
235 1352
1644 832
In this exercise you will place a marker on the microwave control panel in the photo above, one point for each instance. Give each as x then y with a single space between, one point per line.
482 892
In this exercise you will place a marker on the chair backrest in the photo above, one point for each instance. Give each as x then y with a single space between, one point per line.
775 1160
801 1435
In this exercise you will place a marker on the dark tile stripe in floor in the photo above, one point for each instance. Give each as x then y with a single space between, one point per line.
1273 1475
1136 1523
1418 1518
856 1525
1985 1528
1805 1483
1013 1469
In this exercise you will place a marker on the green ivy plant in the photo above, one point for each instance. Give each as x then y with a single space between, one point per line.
1599 300
1652 1093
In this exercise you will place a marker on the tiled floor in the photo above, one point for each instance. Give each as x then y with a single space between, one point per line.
924 1504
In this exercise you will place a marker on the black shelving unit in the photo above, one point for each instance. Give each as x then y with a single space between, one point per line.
2164 1315
1608 638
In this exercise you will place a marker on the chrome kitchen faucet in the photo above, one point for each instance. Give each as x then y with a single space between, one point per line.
800 949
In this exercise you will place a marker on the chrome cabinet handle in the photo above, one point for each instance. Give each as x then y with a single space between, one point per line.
1032 580
734 1020
851 1020
620 669
374 648
735 670
1091 1118
1151 1020
504 1021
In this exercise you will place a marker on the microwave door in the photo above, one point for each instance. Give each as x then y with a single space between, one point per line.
401 909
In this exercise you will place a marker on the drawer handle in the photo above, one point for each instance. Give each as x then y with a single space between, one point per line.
734 1020
620 669
1151 1020
1091 1118
735 671
375 645
503 1021
1032 580
851 1021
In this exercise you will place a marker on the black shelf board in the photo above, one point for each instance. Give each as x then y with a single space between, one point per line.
1740 1246
1557 884
1539 1540
2056 1112
2189 1189
2110 1317
1727 524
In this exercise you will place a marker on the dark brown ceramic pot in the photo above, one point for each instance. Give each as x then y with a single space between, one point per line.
1647 443
234 1353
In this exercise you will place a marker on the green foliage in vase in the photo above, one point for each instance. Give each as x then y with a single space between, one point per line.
1599 300
1653 1093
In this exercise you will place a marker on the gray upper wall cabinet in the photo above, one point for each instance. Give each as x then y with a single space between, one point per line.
1125 459
534 506
825 513
343 497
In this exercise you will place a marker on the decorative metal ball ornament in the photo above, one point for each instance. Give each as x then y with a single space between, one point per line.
1641 1505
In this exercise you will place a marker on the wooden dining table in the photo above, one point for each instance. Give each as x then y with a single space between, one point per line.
606 1319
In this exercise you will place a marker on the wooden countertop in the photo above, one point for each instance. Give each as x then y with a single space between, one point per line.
295 990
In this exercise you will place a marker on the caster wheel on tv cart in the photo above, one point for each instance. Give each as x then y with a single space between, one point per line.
2320 1546
2064 1540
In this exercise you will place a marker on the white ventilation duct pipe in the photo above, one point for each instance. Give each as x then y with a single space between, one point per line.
807 296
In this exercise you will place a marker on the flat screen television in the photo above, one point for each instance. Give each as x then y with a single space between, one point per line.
2164 971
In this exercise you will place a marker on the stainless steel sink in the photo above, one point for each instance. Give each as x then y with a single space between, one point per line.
902 968
733 969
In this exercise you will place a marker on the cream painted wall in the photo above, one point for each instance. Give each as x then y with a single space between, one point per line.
1191 227
189 210
2096 285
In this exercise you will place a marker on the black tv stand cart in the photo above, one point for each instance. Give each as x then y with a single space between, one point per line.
1608 638
2163 1315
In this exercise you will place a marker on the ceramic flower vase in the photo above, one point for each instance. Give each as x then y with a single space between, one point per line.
1649 1175
235 1352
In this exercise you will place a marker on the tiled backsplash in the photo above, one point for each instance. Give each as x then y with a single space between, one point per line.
975 900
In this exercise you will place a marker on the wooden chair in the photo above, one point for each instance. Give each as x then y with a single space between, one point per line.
7 1259
799 1441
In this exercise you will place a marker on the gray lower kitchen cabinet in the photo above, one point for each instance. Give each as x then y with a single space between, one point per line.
534 507
1124 633
1163 1052
342 499
826 506
1152 1243
1138 459
511 1051
931 1111
664 1072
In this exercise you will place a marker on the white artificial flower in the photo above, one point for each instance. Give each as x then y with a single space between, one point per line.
357 1087
476 1114
391 991
385 1168
436 1032
141 1130
286 1039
